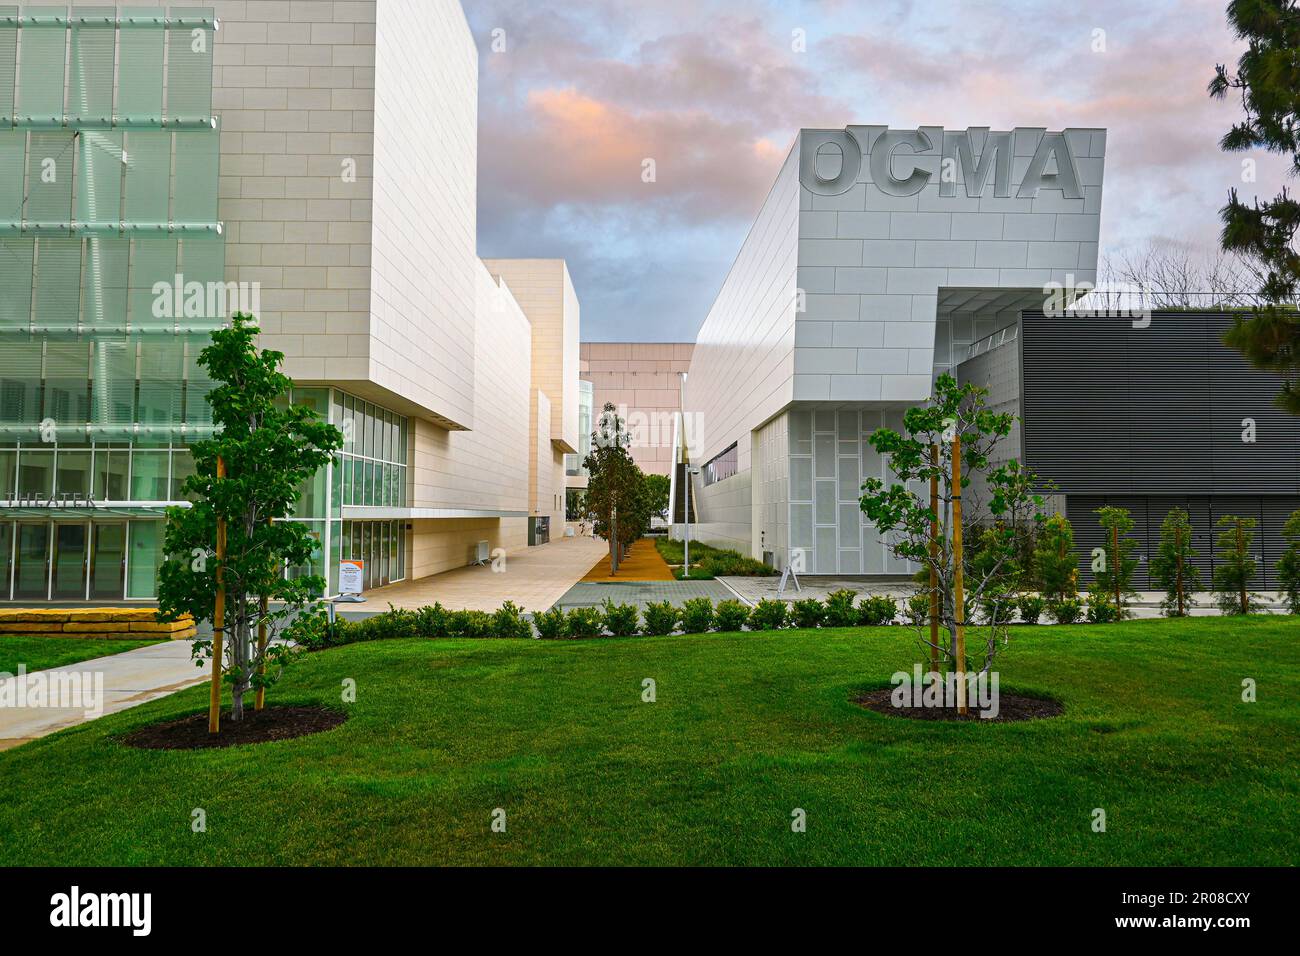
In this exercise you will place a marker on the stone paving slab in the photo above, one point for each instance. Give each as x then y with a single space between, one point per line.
534 578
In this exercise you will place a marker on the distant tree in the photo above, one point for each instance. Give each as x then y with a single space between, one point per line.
1114 568
1288 566
657 487
268 449
615 496
1235 566
1268 82
1055 563
1172 567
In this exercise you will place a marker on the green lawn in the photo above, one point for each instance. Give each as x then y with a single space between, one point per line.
39 653
746 728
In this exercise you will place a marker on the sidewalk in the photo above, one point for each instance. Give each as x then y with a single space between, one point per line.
534 578
134 677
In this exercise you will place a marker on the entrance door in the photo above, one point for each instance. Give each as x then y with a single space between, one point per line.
6 557
69 583
32 573
107 561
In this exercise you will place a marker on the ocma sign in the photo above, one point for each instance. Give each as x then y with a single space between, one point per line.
979 154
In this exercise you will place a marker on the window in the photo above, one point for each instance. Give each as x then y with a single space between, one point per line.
720 466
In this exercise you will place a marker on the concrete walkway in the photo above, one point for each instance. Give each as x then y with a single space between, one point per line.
641 593
105 685
534 578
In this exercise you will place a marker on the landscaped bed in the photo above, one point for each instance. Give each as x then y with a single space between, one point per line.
40 653
744 730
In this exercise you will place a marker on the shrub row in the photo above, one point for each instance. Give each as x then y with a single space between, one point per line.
695 616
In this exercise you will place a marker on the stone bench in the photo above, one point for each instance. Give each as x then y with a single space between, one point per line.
104 623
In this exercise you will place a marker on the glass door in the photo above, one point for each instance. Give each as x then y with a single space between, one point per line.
32 573
69 581
6 557
107 561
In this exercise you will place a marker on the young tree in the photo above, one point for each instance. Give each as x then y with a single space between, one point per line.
249 476
965 431
1172 567
1055 562
614 499
1288 566
1113 569
1235 566
1268 83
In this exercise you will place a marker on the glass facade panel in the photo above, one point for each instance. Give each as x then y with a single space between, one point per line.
149 476
99 176
90 74
66 400
6 556
189 68
104 283
58 284
73 474
159 409
149 162
13 152
140 88
50 161
16 262
20 385
8 77
8 473
197 162
153 261
112 468
40 87
112 390
146 556
182 469
35 472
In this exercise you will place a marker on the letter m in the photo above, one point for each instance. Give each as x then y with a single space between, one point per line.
995 155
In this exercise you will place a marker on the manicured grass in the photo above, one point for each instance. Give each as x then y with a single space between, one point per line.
39 653
746 728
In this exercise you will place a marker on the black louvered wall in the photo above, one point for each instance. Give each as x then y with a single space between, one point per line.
1151 418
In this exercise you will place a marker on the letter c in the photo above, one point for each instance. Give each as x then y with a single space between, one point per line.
882 162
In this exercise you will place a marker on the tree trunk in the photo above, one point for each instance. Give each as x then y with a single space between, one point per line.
1178 548
218 620
934 561
1241 556
958 598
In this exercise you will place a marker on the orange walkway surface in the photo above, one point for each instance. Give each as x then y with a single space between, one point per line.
643 563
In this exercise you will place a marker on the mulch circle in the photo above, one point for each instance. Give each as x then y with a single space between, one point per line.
1011 708
257 727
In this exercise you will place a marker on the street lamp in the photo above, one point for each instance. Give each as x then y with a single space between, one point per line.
686 542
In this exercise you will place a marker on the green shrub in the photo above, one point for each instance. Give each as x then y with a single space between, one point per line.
1031 608
509 621
469 624
918 609
1101 608
585 622
1065 610
620 620
1288 566
877 609
660 618
768 615
840 611
697 615
552 624
730 615
997 606
808 612
719 563
432 621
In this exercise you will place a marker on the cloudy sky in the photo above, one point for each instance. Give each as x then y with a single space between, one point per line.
714 90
